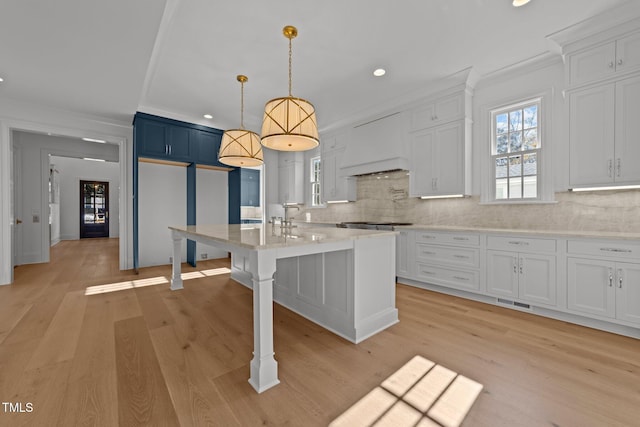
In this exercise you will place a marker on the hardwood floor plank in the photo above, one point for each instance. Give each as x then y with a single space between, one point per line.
143 398
61 338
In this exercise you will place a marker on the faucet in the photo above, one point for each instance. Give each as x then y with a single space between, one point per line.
287 220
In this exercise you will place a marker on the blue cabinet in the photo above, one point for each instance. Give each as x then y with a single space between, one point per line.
249 187
207 147
161 140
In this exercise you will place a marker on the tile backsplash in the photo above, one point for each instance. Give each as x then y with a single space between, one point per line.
385 198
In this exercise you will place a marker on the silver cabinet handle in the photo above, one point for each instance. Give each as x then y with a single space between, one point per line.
461 256
518 242
611 64
616 250
619 61
610 278
520 265
610 168
166 149
169 149
515 264
461 278
618 167
620 278
461 238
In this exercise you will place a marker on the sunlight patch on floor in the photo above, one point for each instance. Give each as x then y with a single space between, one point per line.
151 281
420 393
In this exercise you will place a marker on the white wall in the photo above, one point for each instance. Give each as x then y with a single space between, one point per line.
71 172
212 206
162 202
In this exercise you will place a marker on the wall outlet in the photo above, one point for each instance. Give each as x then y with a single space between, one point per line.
204 256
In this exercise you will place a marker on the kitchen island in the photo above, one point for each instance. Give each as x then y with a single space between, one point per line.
341 279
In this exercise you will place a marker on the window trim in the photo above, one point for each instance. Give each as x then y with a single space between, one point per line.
312 162
545 171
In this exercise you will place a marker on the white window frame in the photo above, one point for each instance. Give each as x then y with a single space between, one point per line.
315 181
544 174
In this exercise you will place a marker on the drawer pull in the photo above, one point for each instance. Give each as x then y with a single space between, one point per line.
428 253
616 250
461 256
428 236
461 278
461 238
431 273
518 242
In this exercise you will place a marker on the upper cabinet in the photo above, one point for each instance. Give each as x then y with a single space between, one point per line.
335 185
290 177
173 140
603 61
249 187
440 145
603 140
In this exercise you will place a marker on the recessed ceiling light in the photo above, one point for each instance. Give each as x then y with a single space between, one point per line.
99 141
208 116
379 72
1 79
518 3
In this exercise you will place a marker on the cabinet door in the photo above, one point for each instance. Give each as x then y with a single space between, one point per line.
537 281
590 286
422 174
207 146
627 141
592 64
449 159
591 135
404 254
152 138
628 53
437 112
329 172
502 273
179 140
628 292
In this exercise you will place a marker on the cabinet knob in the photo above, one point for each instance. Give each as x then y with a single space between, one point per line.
619 61
611 64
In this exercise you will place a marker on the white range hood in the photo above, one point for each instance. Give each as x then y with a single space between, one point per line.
377 146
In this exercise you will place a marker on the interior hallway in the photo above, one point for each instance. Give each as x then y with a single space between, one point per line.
144 355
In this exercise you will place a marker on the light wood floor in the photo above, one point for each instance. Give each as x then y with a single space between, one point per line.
150 356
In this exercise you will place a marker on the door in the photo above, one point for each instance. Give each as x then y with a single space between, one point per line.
16 230
94 209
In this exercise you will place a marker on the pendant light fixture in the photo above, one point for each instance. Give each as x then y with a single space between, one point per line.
240 147
289 123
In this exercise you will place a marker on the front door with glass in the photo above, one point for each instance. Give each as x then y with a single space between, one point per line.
94 209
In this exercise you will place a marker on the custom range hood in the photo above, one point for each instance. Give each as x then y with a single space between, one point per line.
376 146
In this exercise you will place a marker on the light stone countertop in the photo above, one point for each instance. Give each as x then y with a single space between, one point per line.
532 233
527 232
263 236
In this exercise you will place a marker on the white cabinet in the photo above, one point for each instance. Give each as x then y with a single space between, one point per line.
448 259
605 60
405 257
603 279
604 288
439 160
290 177
335 185
604 147
527 276
438 111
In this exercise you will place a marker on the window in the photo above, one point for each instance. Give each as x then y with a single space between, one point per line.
315 181
516 151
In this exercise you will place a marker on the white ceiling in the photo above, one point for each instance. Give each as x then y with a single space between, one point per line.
180 58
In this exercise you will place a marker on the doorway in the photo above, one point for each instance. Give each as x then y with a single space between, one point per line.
94 209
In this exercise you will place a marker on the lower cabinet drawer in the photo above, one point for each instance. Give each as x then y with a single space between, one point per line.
463 257
448 238
521 244
450 277
618 249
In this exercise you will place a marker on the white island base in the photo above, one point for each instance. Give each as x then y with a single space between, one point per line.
341 279
345 288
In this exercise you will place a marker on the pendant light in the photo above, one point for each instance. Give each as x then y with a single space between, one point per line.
240 147
289 123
